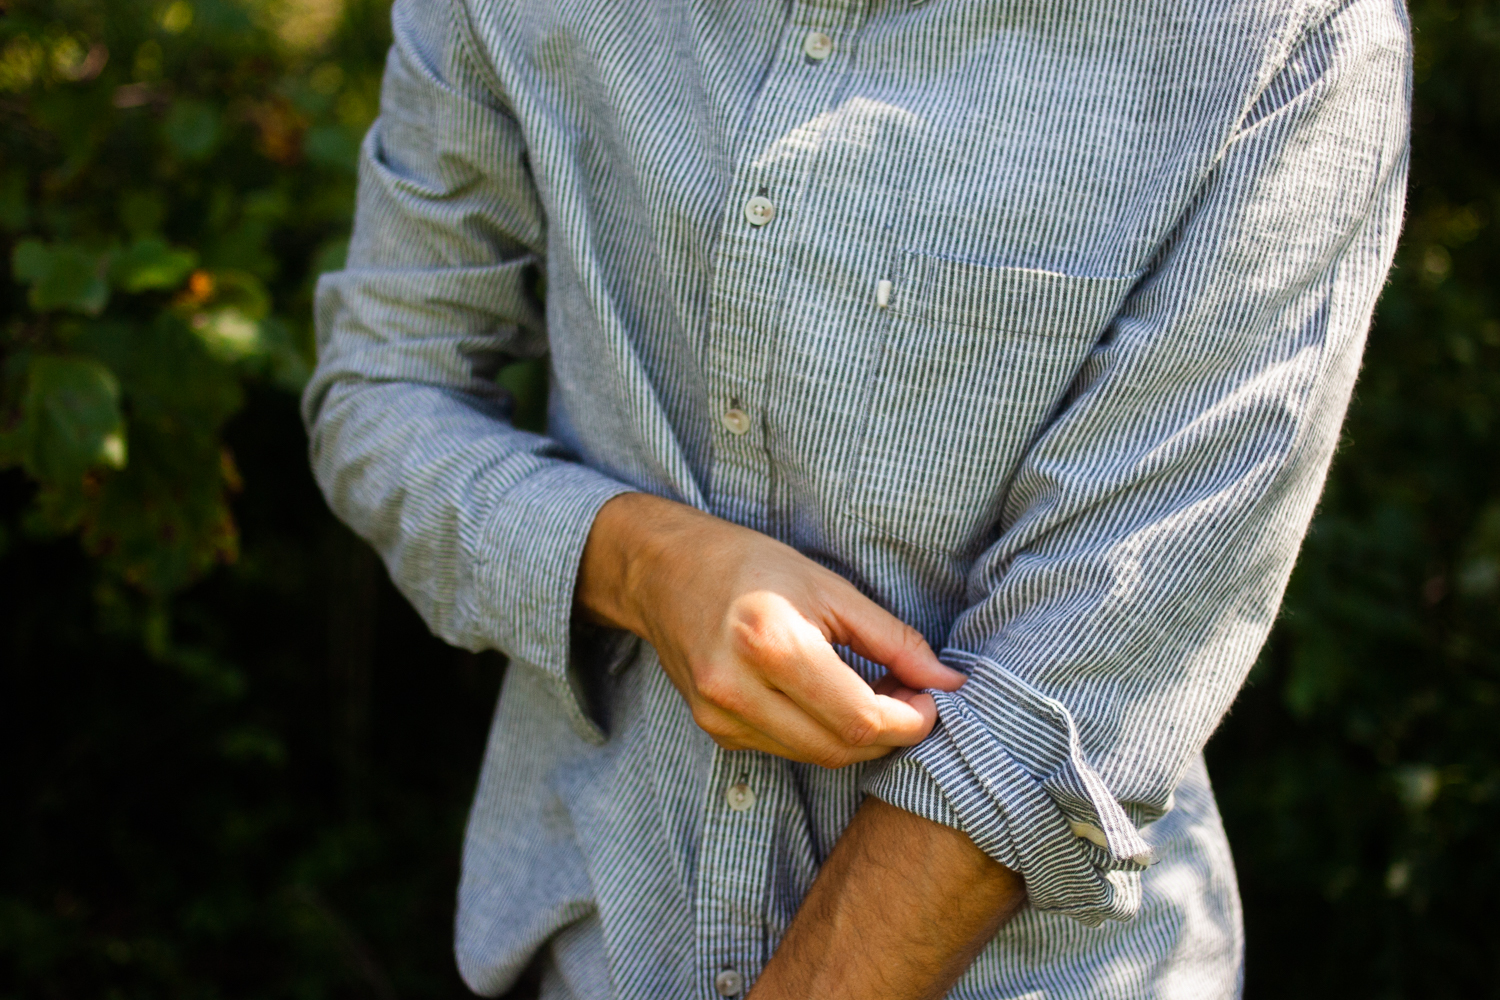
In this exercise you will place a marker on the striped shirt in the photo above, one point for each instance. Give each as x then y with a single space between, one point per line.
1035 319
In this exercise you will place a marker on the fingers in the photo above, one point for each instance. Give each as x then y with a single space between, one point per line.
797 737
794 658
828 690
764 676
877 635
919 700
922 703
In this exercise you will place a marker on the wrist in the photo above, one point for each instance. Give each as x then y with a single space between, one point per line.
626 551
601 591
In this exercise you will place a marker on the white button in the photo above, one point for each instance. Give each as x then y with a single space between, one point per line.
729 983
740 797
1089 832
759 210
817 45
882 293
736 421
1095 836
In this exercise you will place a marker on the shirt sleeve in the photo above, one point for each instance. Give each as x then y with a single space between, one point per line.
481 525
1148 535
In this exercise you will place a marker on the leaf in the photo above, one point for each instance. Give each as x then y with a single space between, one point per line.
228 318
30 260
167 374
72 418
241 291
151 264
62 276
192 129
165 519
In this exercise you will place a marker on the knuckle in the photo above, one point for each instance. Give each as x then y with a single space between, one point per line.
830 756
911 641
758 634
713 722
862 730
718 688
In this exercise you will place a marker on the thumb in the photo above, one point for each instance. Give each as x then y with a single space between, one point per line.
877 635
919 700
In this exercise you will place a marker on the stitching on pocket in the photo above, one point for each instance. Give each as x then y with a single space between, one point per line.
1015 300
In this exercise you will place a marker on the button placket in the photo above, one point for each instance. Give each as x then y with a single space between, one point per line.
748 791
739 834
745 305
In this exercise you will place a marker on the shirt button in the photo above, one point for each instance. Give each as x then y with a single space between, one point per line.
759 210
1089 832
729 983
817 45
740 797
736 422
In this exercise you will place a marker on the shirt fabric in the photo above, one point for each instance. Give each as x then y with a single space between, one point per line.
1034 319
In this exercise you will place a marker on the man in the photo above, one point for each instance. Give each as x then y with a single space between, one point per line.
1018 331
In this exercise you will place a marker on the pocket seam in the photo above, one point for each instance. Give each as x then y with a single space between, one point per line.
916 275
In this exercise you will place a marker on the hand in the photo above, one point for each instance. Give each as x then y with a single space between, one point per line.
744 628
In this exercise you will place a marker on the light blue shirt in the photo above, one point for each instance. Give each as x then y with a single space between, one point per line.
1035 319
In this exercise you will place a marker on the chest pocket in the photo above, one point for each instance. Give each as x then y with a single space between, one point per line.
974 360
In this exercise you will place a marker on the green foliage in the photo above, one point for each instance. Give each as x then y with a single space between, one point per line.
62 276
1360 773
239 766
72 419
171 174
149 264
222 775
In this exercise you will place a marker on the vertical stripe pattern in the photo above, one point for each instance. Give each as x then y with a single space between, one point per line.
1040 331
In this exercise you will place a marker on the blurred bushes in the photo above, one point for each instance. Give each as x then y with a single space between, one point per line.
175 175
1359 773
233 761
236 764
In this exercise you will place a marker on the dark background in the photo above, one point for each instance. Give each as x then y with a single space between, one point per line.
233 763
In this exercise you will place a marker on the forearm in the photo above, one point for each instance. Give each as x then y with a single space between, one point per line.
898 912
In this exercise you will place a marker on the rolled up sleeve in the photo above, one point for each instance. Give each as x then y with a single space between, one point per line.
481 525
1148 535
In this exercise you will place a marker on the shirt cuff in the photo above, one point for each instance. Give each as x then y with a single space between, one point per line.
1004 765
527 557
